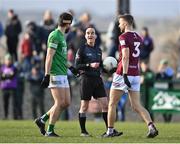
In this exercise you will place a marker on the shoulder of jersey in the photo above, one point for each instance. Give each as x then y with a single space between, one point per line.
54 33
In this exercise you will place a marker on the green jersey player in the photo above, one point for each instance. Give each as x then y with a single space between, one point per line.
56 75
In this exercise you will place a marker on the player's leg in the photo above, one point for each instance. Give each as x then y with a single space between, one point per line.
134 98
67 98
59 100
82 117
113 100
66 103
58 95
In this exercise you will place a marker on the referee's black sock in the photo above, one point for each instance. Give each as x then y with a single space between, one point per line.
104 114
82 122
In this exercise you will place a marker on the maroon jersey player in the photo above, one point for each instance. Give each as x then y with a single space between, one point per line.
127 79
132 41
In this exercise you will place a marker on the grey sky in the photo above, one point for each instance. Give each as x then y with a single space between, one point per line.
143 8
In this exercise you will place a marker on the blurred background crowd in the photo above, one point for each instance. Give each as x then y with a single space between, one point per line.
23 50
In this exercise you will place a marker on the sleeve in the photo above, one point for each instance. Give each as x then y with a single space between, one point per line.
52 42
123 42
79 60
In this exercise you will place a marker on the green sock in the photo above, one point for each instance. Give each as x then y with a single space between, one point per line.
50 128
45 117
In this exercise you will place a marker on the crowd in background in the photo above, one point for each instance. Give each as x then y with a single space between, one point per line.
28 65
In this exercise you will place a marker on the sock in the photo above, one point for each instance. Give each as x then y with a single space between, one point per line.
82 122
110 130
44 118
151 126
104 114
50 128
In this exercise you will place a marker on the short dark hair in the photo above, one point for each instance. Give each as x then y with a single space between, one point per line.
127 17
65 18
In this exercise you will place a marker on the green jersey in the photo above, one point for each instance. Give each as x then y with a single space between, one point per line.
57 42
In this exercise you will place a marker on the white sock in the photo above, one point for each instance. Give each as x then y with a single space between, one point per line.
151 126
110 130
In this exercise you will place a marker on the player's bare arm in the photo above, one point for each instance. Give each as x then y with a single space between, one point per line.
49 57
125 60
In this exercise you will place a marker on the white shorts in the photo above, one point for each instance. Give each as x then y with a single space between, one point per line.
118 83
58 81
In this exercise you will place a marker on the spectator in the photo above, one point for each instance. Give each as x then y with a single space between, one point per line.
20 88
147 80
75 21
37 92
48 25
36 35
165 72
8 85
26 52
12 31
148 45
114 38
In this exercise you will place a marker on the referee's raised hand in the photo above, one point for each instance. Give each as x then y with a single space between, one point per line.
45 81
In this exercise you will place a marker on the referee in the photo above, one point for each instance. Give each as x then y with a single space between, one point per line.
88 62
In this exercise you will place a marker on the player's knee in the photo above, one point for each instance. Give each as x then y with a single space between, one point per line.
66 104
112 104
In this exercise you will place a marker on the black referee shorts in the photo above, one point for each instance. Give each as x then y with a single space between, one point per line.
91 86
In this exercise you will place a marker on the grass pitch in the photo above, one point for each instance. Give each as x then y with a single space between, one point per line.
27 132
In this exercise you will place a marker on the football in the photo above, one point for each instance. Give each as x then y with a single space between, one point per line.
109 63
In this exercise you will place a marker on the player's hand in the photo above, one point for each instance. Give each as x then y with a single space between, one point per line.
74 71
45 81
94 65
126 81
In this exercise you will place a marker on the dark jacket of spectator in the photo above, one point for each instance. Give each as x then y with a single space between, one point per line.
13 27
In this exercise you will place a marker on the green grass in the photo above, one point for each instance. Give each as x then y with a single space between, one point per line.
27 132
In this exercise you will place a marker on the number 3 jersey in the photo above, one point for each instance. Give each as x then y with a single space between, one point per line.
132 41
